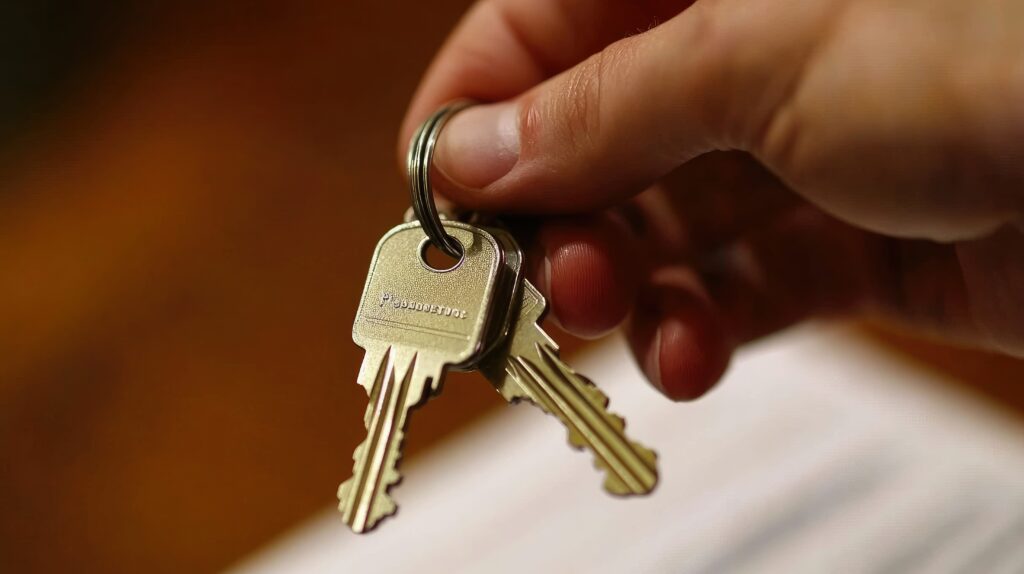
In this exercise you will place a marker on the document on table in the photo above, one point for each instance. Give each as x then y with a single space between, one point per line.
819 452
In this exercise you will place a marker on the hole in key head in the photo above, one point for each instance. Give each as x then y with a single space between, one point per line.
437 260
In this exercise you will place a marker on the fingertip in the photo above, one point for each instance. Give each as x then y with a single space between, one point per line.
694 355
679 342
586 273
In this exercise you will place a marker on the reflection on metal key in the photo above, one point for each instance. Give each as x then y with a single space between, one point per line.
527 367
415 322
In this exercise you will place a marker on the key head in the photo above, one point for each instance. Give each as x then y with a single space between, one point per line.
445 313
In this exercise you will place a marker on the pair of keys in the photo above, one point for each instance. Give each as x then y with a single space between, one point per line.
416 321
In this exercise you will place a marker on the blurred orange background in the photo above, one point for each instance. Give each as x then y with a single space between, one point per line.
186 220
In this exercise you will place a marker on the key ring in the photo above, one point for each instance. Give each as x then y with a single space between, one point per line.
421 154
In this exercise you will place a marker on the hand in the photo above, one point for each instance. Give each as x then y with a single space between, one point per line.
899 126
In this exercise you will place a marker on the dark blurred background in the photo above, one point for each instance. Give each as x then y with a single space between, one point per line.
189 196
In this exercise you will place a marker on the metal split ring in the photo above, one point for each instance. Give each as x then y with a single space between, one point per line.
421 153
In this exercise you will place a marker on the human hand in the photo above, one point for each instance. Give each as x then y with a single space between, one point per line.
899 126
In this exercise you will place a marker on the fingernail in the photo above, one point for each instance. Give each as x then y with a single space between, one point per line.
547 275
546 290
652 362
479 145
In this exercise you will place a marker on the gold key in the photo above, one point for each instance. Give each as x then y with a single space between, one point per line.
527 366
414 323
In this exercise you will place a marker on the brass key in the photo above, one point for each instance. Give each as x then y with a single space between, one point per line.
414 323
527 366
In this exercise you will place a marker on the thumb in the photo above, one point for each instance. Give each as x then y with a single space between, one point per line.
621 119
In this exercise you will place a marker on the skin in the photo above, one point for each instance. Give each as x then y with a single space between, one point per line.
711 172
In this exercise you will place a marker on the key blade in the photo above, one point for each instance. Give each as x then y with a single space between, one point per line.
396 385
528 368
630 468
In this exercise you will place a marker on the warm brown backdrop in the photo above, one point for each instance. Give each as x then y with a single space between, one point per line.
183 238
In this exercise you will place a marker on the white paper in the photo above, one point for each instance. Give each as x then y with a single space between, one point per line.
820 452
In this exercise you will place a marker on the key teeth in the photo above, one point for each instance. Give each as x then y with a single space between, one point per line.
383 507
383 504
392 475
614 485
645 480
540 377
364 499
358 453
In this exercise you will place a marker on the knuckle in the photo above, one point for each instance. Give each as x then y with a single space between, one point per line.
580 101
531 122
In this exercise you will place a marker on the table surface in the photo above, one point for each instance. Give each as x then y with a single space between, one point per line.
821 451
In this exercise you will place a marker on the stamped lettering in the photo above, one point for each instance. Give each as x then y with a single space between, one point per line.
392 300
